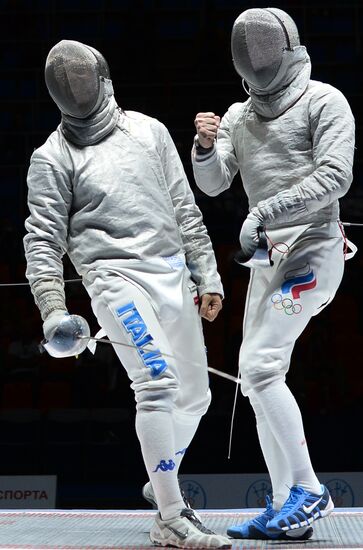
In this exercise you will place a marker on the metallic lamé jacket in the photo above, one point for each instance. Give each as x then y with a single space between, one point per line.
125 197
294 165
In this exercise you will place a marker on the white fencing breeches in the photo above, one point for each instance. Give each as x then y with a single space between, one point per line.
153 308
282 299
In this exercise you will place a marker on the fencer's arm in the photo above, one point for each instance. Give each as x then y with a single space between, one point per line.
196 242
215 168
49 202
332 129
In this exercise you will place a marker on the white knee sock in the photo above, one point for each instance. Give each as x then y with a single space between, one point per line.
185 426
155 431
275 459
284 419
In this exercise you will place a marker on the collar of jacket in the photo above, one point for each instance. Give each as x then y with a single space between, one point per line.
91 130
286 88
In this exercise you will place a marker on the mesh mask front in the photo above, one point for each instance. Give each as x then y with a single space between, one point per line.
259 39
74 75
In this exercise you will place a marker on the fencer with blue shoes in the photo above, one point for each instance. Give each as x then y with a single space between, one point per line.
292 141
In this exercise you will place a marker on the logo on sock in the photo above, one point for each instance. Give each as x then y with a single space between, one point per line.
181 452
165 466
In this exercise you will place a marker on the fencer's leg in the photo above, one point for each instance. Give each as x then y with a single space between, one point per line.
127 316
274 457
184 429
284 420
185 335
282 302
277 465
155 433
264 361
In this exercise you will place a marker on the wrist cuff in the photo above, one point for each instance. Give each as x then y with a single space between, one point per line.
200 150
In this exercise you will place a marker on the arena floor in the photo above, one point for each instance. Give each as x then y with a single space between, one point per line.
116 530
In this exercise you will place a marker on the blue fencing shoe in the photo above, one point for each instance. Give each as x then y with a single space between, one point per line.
300 510
256 528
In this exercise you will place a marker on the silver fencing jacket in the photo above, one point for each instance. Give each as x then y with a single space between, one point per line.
294 164
125 197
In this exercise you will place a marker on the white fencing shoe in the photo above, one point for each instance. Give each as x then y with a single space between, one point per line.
186 531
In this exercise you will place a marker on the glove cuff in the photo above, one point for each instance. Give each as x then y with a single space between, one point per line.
200 150
254 214
49 296
283 207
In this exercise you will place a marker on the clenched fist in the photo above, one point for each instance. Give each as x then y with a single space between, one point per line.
210 306
207 125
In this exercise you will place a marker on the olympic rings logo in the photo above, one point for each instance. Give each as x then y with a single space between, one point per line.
285 304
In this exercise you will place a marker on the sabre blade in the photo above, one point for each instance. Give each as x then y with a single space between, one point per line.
225 375
210 369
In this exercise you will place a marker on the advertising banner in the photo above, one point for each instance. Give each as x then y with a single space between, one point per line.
27 492
250 490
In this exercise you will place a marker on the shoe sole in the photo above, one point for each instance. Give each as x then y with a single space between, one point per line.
259 535
166 543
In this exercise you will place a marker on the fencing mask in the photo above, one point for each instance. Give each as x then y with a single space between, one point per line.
78 79
268 56
74 74
260 37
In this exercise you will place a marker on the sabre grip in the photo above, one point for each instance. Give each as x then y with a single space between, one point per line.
68 336
260 257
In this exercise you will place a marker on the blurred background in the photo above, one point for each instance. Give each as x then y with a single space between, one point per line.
168 59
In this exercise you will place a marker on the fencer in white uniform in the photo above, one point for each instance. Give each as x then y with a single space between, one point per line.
293 143
108 188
